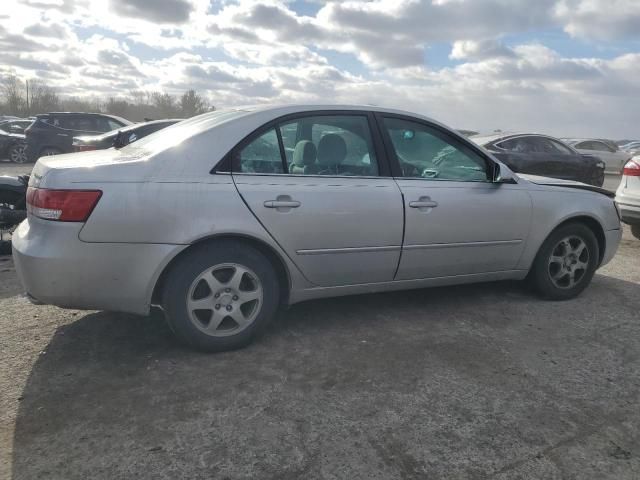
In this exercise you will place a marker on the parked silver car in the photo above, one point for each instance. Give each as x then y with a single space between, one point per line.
613 157
223 218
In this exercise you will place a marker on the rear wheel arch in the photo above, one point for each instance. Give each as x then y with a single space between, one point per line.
269 252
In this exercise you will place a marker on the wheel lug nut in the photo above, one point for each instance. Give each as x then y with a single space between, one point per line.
235 297
217 306
227 290
228 308
217 295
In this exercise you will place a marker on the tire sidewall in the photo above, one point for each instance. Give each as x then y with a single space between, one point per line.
540 272
181 276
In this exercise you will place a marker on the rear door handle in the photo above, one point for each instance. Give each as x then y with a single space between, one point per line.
283 203
423 203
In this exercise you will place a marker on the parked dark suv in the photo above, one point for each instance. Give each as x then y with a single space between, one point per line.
52 133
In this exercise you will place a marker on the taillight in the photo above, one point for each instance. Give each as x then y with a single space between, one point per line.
62 205
632 168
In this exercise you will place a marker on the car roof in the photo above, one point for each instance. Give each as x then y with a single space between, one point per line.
278 110
96 114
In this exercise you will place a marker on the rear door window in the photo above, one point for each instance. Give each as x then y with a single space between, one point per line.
518 145
78 122
332 145
338 145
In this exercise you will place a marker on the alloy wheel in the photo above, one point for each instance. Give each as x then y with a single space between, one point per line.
224 299
569 262
18 155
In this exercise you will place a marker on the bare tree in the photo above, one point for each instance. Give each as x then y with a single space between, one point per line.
34 96
191 104
13 95
42 98
164 103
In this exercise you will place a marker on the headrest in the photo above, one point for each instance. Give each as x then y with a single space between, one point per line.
332 149
304 153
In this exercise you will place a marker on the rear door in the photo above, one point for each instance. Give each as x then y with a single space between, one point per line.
563 162
458 222
318 184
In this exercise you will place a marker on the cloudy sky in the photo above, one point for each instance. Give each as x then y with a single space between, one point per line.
566 67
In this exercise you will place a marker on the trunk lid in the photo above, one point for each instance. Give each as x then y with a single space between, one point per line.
97 166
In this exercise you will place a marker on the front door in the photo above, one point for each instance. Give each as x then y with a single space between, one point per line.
457 221
325 202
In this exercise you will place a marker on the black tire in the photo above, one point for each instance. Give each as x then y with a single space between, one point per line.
541 271
635 231
17 154
9 200
184 273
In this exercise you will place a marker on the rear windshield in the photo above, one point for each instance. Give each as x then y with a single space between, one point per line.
176 134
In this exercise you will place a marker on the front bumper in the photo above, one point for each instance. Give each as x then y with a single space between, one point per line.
612 242
57 268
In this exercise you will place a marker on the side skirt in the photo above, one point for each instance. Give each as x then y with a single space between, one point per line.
297 296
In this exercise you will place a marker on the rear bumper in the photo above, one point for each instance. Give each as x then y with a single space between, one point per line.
630 213
57 268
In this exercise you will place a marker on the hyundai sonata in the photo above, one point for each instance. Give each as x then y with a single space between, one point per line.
225 217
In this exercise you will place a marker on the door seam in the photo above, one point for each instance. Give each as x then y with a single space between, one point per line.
269 233
404 227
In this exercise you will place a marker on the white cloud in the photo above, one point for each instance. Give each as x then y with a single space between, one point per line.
600 19
248 51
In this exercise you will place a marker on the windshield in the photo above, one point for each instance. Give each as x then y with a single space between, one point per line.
176 134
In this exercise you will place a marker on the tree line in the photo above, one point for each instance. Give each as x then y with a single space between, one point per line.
31 97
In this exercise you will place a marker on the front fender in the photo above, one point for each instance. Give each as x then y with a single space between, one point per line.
553 206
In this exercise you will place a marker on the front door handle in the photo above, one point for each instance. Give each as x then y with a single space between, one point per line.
283 203
424 204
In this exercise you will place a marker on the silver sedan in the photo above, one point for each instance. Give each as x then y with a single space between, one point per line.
223 218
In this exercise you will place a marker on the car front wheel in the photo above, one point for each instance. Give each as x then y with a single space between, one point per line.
220 296
566 262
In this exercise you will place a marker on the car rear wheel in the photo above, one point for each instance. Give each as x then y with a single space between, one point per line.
635 231
220 296
17 154
566 262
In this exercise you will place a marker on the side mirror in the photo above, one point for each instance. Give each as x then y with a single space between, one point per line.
501 174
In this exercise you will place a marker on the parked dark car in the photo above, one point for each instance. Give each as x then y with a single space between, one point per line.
543 155
12 139
52 133
120 137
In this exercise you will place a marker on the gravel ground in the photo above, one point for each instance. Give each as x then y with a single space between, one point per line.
481 381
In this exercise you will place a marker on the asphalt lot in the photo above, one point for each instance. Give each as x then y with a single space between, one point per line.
481 381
